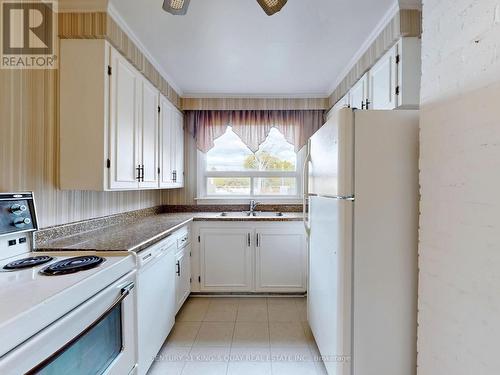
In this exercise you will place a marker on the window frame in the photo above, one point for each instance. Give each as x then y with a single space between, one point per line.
203 175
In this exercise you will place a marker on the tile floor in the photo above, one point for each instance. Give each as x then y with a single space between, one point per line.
243 336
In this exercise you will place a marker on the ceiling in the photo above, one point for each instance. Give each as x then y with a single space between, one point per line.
231 47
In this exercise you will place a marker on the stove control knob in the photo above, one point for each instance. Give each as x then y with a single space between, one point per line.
18 209
21 222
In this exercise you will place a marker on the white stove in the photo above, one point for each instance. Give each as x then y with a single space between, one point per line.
58 306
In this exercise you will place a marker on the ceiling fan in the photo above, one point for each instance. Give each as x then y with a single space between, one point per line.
179 7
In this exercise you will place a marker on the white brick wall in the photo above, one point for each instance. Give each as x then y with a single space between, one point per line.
459 291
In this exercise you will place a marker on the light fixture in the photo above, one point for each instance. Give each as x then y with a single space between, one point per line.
179 7
272 6
176 7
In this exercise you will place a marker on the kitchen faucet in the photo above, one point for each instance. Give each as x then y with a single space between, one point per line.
253 206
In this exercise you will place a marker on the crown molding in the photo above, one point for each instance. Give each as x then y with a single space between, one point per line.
303 95
386 19
113 13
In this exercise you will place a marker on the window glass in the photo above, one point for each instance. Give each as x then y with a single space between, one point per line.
232 169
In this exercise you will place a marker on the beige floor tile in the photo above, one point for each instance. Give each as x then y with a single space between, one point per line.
209 354
248 334
320 368
225 300
194 310
283 313
164 368
249 368
183 334
252 313
253 354
169 361
308 333
256 301
173 354
221 312
292 354
281 301
294 368
215 334
204 368
287 334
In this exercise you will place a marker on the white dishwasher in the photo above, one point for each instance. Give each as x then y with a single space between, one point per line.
156 301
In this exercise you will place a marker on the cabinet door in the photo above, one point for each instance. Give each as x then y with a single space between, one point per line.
124 88
167 143
281 260
359 93
226 259
148 135
383 82
183 276
179 148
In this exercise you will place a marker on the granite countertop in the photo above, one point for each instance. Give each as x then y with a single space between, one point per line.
143 232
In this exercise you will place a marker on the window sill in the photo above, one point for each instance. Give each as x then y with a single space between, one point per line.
246 200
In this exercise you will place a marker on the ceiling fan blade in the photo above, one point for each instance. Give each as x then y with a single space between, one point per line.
272 6
176 7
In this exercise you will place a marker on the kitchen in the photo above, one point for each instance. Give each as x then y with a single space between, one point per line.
219 187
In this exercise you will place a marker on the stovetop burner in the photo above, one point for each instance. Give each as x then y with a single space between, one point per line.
72 265
27 262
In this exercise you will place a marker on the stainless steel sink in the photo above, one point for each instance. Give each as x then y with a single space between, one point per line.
248 214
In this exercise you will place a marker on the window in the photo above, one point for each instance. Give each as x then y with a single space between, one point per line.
231 169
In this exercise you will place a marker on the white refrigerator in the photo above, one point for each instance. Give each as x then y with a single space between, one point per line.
362 222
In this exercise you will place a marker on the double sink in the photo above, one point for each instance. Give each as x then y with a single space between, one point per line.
250 214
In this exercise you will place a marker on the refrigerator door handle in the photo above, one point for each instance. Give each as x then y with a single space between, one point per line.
339 197
305 187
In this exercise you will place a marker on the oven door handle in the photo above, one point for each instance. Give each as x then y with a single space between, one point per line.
124 292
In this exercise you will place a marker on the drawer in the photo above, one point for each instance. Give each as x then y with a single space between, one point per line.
183 240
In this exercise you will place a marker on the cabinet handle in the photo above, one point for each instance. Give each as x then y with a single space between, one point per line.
248 239
257 241
138 169
367 103
362 105
142 172
174 176
178 271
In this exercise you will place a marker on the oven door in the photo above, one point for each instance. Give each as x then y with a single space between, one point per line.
98 337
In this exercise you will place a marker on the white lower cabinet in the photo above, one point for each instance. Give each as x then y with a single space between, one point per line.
280 260
226 259
183 276
252 257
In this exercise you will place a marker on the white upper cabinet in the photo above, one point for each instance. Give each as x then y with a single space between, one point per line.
359 93
382 82
179 149
124 124
148 136
171 145
109 122
393 82
409 71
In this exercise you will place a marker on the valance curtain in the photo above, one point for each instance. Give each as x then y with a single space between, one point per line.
253 126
